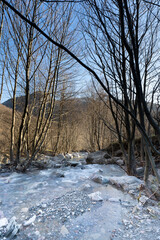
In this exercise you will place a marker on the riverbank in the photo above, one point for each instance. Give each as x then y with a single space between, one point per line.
75 200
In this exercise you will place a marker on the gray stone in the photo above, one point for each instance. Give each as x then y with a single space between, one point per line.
60 174
12 228
68 156
153 210
98 157
143 199
58 158
76 155
140 170
100 179
120 162
96 196
86 187
3 222
116 200
127 183
58 165
73 163
15 231
29 221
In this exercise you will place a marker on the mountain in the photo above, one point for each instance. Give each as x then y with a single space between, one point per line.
20 101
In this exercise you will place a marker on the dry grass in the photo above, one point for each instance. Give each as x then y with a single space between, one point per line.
5 127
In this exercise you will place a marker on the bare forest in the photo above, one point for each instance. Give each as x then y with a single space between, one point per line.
80 75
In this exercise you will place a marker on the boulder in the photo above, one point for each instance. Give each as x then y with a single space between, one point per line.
100 179
127 183
99 157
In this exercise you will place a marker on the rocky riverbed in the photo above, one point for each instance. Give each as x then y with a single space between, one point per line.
72 200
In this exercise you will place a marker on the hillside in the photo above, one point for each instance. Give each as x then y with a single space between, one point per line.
21 100
5 124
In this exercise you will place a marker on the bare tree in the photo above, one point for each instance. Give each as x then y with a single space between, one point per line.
128 18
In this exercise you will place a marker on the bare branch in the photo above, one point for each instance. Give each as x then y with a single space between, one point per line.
155 4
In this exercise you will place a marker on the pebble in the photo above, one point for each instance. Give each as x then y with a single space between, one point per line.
29 221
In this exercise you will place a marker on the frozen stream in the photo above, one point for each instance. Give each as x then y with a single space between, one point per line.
59 200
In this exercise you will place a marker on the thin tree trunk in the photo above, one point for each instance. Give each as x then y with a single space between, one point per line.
13 114
131 163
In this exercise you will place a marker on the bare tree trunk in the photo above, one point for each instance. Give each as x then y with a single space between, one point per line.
131 163
3 75
2 20
24 121
13 113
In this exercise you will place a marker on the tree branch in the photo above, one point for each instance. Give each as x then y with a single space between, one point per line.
90 70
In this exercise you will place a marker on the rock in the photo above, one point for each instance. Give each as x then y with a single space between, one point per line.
120 162
43 164
24 210
153 210
115 200
29 221
68 156
73 163
107 156
39 212
86 187
76 155
127 183
125 222
96 196
140 170
97 179
58 158
64 230
15 231
60 174
44 205
100 179
3 222
118 153
98 157
57 165
143 199
12 228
